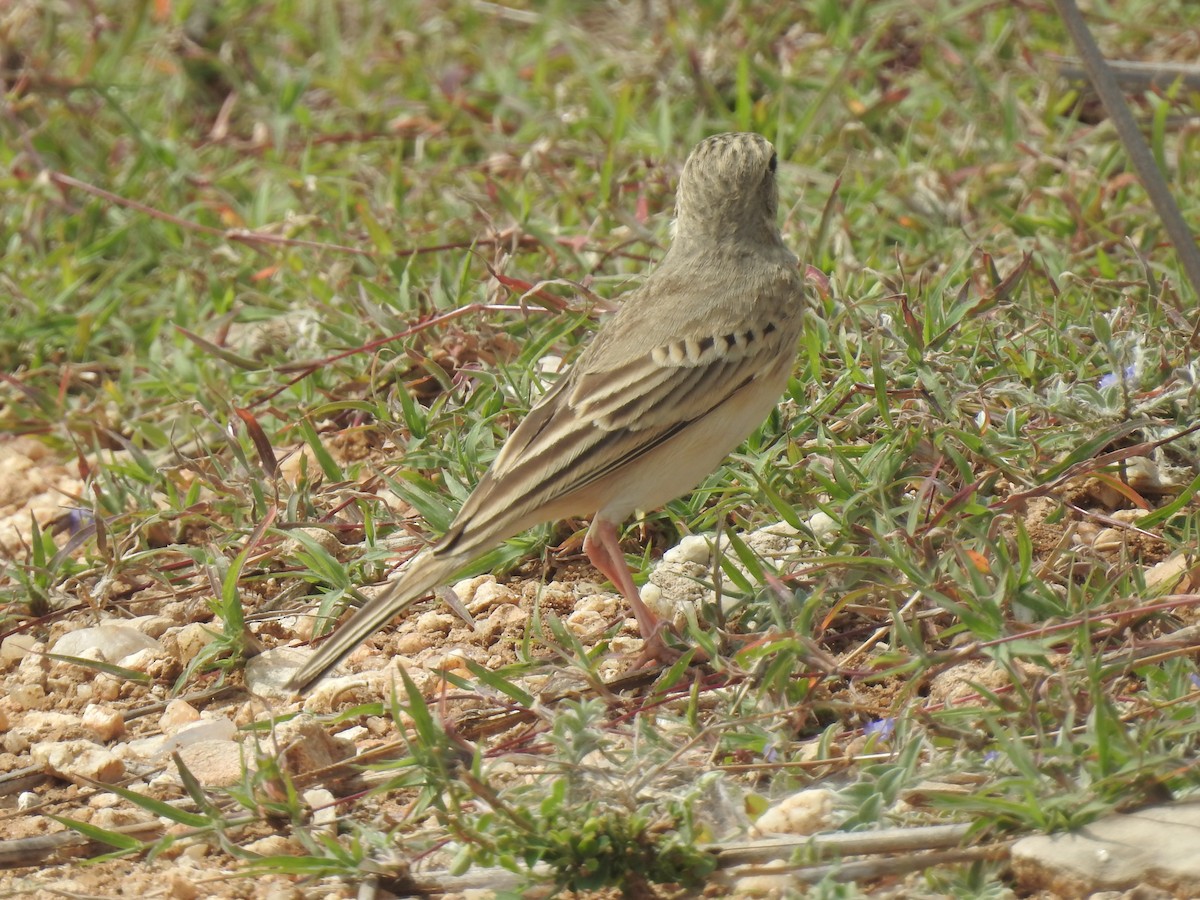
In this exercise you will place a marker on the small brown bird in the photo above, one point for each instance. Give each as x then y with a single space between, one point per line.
692 362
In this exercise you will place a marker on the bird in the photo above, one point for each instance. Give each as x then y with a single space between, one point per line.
693 360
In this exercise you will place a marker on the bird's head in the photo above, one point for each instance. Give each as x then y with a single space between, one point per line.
727 191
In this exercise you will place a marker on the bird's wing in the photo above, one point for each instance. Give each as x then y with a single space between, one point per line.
600 418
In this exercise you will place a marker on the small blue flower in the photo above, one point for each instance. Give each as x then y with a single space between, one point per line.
1110 380
882 729
78 519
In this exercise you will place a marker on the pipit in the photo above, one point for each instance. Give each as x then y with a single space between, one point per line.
692 362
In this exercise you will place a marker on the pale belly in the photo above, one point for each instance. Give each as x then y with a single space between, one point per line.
690 456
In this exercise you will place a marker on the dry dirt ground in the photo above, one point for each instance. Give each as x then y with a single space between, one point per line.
49 704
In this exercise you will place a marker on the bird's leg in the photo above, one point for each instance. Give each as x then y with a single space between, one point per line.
604 551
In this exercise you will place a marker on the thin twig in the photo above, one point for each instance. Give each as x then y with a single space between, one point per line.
254 238
845 843
1135 145
872 869
1140 75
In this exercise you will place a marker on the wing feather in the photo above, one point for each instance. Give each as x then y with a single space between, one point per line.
594 422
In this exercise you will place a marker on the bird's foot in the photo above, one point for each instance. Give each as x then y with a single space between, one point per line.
658 650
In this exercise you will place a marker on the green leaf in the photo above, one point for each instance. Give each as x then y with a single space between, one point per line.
162 809
123 842
498 683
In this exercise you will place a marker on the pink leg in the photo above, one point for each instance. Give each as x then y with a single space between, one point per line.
604 551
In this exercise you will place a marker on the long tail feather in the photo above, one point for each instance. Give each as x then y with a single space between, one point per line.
423 573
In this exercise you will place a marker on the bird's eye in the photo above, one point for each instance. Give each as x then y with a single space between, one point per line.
774 162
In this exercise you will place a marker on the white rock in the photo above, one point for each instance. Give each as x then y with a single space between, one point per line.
153 661
77 758
40 725
28 696
352 734
275 845
695 548
1153 847
190 640
178 714
436 622
104 800
112 818
674 585
501 618
16 647
411 642
112 641
775 543
215 729
155 625
823 526
307 746
605 604
181 886
268 673
651 594
488 595
214 763
34 667
199 850
331 693
452 660
324 539
104 721
106 687
1167 574
584 622
322 803
142 750
769 886
805 812
465 589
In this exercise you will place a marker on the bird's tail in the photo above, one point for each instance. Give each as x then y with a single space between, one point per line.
423 572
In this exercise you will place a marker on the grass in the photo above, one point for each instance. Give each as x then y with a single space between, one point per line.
248 251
